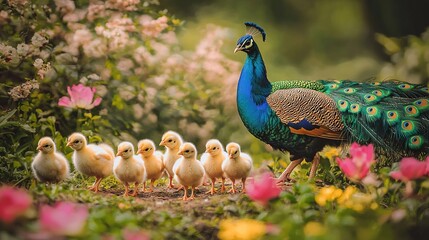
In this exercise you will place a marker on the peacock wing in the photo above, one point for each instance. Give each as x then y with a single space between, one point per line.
307 112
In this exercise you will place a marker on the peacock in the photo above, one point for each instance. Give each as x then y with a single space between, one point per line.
302 117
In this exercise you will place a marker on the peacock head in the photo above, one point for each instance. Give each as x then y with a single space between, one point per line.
246 43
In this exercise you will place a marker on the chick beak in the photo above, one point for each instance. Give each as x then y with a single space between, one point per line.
207 150
180 153
139 151
230 155
69 143
39 148
119 153
162 143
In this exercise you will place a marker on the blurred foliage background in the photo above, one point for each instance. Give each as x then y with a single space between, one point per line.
169 65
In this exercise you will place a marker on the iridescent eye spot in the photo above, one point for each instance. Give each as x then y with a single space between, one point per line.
369 97
333 86
371 110
349 90
421 103
407 125
355 108
426 89
377 93
415 142
404 86
375 83
411 110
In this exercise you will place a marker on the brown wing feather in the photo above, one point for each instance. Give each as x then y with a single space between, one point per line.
297 104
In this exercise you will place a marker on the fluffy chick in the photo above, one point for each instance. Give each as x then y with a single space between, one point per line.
172 142
49 165
91 159
237 165
188 171
212 161
129 168
152 161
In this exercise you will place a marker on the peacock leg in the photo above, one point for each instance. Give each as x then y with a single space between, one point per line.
286 173
314 166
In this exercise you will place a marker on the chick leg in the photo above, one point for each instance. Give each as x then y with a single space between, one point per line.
243 181
212 190
144 186
314 165
286 173
222 189
126 190
151 185
192 194
95 186
185 194
170 184
232 190
136 185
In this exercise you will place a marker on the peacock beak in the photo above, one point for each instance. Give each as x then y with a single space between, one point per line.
237 49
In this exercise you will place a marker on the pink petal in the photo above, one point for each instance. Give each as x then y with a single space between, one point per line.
397 175
65 102
13 203
412 168
349 168
64 219
96 102
262 188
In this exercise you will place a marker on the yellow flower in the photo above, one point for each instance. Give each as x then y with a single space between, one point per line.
241 229
330 152
345 197
328 194
314 229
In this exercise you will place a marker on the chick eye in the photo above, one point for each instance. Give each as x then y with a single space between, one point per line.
170 140
147 149
77 141
214 148
235 152
46 146
186 151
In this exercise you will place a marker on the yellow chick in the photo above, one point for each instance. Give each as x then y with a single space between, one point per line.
91 159
152 161
129 168
237 165
49 165
212 161
172 141
188 171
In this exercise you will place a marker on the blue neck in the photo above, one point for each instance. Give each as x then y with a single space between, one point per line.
252 92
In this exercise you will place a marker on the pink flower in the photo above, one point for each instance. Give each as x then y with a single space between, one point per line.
357 167
410 169
263 188
13 203
64 219
135 235
80 97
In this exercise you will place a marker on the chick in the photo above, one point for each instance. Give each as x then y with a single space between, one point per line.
49 165
237 165
212 161
129 168
188 171
152 161
172 141
90 159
